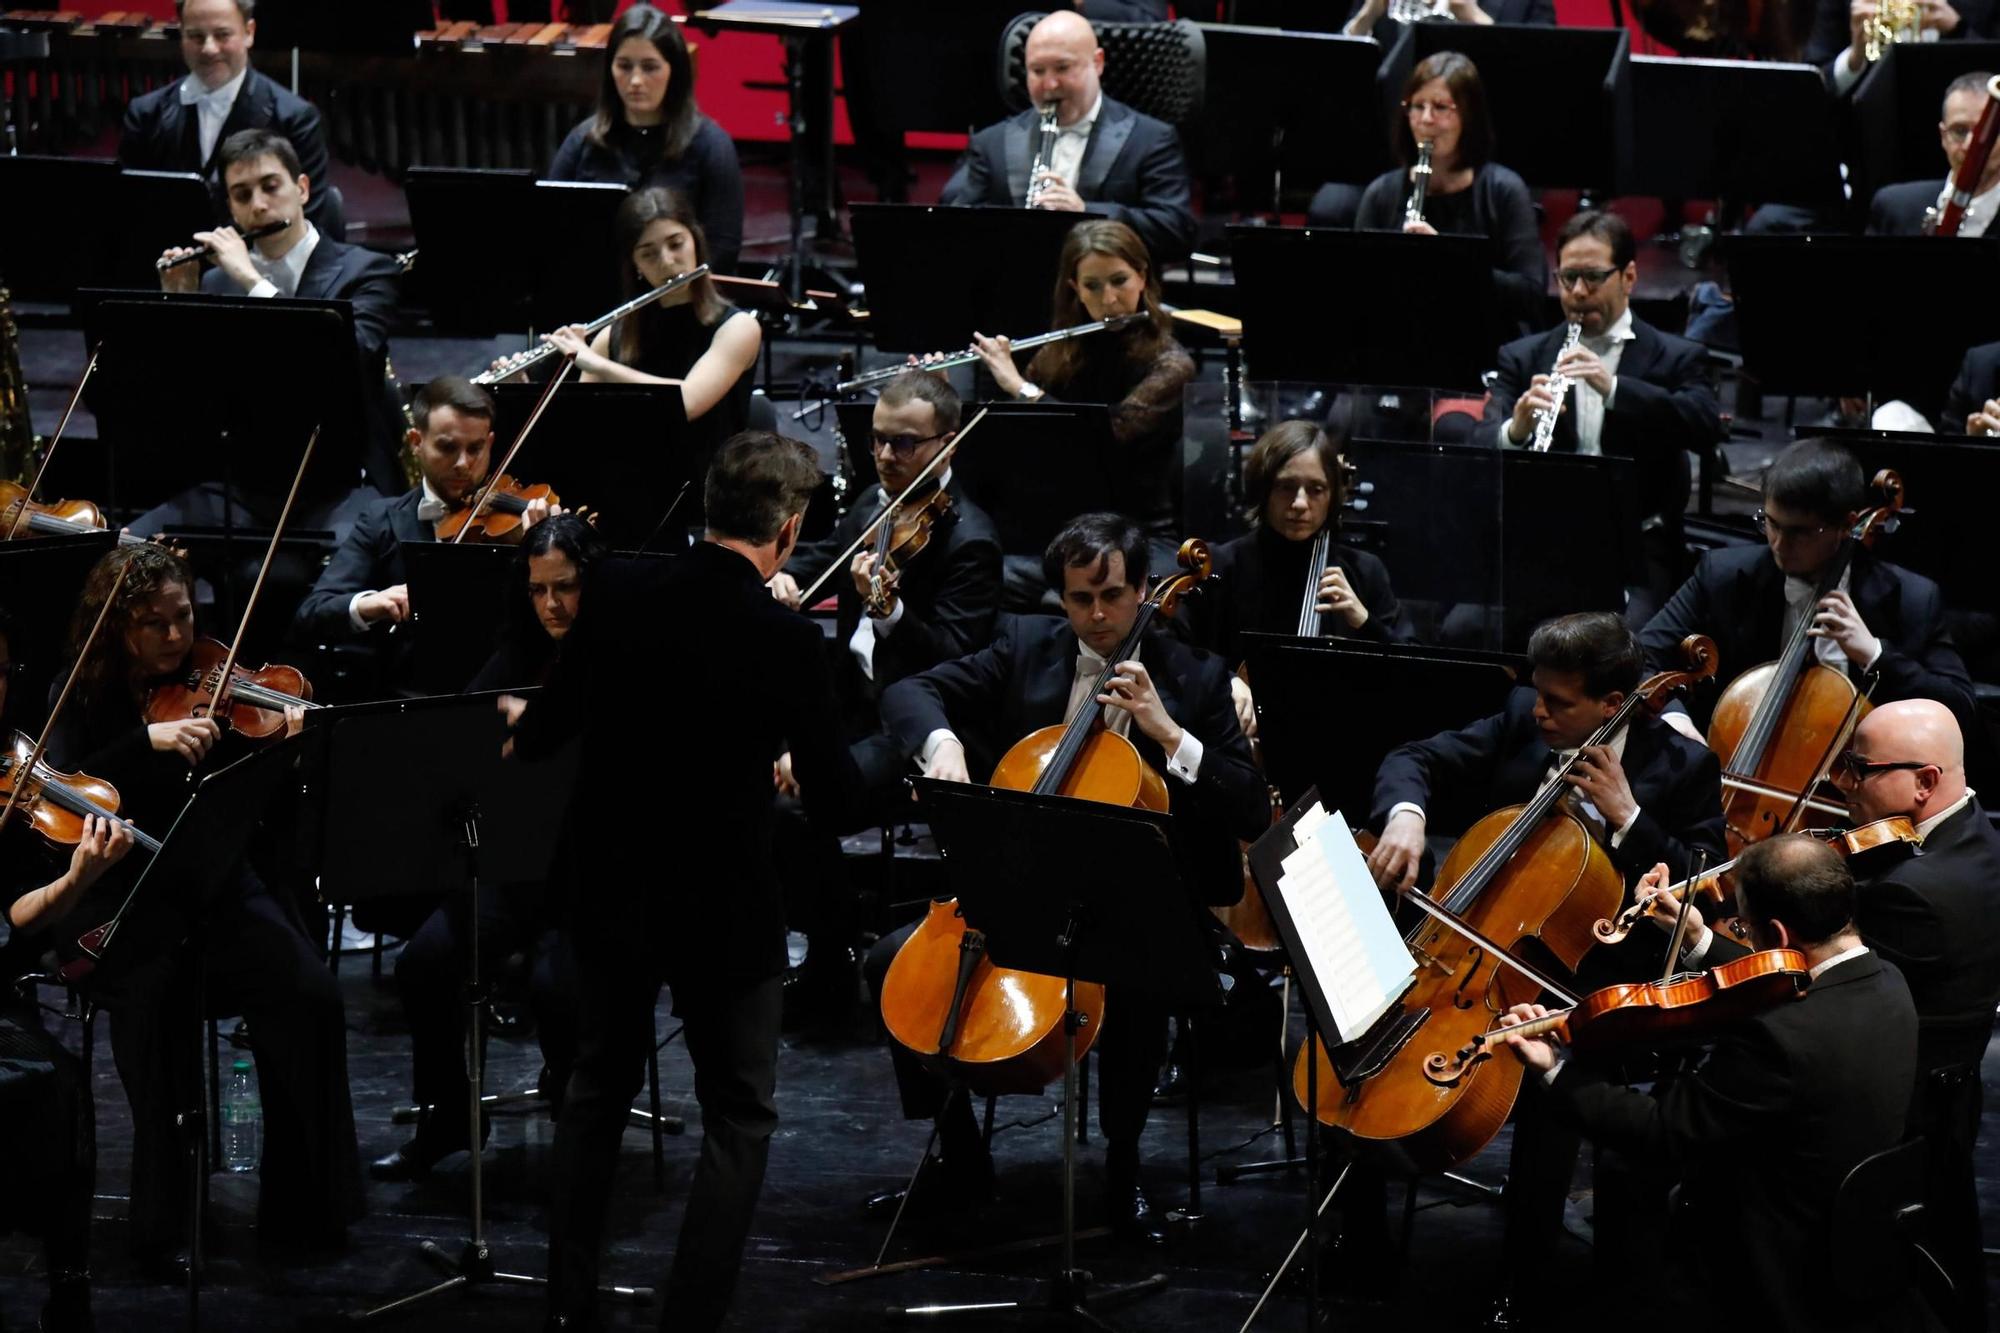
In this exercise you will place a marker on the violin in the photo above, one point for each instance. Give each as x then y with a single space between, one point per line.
497 516
21 516
251 703
943 998
55 803
900 538
1529 870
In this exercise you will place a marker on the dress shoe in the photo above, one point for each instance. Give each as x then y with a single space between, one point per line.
1133 1216
1173 1082
941 1187
432 1143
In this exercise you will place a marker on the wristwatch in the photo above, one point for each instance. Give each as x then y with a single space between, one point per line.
1030 391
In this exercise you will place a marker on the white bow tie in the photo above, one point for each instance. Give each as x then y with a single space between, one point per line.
430 509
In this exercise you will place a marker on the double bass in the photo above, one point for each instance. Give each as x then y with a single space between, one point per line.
1001 1028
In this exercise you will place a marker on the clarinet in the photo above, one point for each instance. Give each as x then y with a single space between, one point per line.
1545 417
1420 183
1045 152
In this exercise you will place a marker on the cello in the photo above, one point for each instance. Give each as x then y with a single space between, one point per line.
1000 1028
1528 870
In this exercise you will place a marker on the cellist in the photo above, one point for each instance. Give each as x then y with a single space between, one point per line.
1173 703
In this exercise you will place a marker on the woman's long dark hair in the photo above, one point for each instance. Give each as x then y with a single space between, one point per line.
1468 91
1057 364
679 116
105 678
641 209
574 538
1279 446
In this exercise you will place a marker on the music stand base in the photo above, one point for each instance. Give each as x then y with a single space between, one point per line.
473 1268
1070 1298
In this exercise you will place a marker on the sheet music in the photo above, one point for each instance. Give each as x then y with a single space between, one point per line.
1349 938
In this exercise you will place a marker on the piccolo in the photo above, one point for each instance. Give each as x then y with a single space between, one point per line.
534 356
208 252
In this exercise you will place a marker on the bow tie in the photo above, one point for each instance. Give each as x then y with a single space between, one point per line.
194 94
430 509
1088 663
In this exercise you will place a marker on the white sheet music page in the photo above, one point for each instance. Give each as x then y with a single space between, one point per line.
1350 940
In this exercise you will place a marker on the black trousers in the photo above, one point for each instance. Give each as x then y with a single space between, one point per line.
1129 1052
431 975
731 1031
47 1113
820 902
1947 1114
250 958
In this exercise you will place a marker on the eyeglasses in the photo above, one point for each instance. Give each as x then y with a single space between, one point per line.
1797 532
1436 110
1958 133
1591 278
1852 766
902 446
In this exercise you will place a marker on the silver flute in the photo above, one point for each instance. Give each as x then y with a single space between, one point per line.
1545 417
534 356
1420 184
1045 152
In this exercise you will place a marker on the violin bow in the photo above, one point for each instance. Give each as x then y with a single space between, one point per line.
493 477
48 728
867 533
664 517
257 588
76 396
1678 935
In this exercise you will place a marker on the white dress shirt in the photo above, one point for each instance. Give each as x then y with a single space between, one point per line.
280 276
1066 158
211 108
862 642
1799 602
1576 803
1590 404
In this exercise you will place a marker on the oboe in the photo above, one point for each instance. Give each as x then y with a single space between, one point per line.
1045 151
1558 386
208 252
1420 183
534 356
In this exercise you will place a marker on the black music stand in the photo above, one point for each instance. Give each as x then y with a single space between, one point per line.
1555 508
919 58
1795 310
459 610
1951 480
1753 131
47 253
1433 316
1005 469
1894 118
174 205
623 450
1007 256
1020 866
41 582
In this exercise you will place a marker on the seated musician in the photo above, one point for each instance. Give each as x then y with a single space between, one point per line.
551 565
1903 209
243 941
1972 406
942 604
1930 915
45 1096
181 126
1109 160
1881 619
649 131
1173 704
1140 371
1635 392
1364 21
266 184
1789 1101
1838 43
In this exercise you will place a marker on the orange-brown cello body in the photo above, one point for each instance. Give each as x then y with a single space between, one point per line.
252 703
1813 724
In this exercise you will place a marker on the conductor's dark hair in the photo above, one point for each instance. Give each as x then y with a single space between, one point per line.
1605 226
247 8
1800 881
679 116
1596 645
1817 477
1279 446
1974 82
456 392
915 385
1468 93
1089 541
758 480
249 145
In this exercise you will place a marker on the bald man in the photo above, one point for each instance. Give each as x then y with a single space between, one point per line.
1108 160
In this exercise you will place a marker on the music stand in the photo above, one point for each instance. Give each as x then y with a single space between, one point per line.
1008 257
1795 312
1894 118
918 55
623 450
459 610
1951 479
41 582
1005 470
1031 873
1749 130
1433 318
1553 508
47 253
174 205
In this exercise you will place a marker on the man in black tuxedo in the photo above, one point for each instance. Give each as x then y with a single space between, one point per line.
1881 620
266 184
1972 406
941 606
1172 702
690 899
181 127
1109 159
1789 1102
1902 209
1635 392
1838 42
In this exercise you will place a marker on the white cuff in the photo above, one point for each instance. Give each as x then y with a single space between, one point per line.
1549 1078
354 608
1845 77
884 624
264 288
1874 661
1185 762
1694 953
931 743
1401 806
1618 834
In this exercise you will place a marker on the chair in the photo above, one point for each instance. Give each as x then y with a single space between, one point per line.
1160 69
1875 1237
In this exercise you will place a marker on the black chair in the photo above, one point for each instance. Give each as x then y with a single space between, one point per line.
1876 1235
1160 69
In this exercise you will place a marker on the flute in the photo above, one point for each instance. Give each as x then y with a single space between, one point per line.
534 356
208 252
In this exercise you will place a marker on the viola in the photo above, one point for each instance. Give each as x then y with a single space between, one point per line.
901 537
497 515
1000 1028
55 803
1530 870
252 703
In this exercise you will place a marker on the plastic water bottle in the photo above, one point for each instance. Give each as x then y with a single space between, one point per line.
242 1120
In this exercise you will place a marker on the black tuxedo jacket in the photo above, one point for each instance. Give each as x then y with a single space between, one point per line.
1898 210
1021 682
1737 597
369 282
950 592
1664 407
1133 171
671 815
1831 32
1763 1134
1458 777
1978 380
369 560
160 134
1239 598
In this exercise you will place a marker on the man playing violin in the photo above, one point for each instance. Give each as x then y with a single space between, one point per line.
1173 703
1880 620
1790 1101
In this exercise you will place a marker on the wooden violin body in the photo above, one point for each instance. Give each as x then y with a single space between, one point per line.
902 540
253 702
52 803
500 517
23 517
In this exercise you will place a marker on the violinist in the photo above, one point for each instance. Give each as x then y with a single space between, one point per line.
941 603
1173 704
1881 620
254 957
1761 1136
